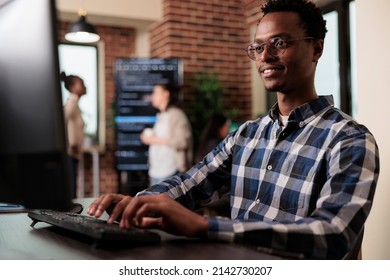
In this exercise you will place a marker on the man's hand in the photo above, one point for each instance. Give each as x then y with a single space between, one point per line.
162 212
113 204
150 211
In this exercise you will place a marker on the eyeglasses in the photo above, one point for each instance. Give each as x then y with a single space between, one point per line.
275 47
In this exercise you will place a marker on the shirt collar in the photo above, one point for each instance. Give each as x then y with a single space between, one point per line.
306 112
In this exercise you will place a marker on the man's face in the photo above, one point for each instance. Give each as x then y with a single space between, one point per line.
294 69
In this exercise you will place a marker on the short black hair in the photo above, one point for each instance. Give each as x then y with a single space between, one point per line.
311 16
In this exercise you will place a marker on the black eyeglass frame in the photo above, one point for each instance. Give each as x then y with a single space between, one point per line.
272 42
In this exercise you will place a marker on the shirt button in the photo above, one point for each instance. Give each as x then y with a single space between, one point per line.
257 201
269 167
301 123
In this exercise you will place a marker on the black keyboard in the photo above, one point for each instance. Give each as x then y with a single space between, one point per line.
99 231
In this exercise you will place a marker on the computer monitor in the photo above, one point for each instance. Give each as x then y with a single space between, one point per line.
34 167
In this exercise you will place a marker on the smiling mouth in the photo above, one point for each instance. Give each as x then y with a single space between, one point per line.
271 70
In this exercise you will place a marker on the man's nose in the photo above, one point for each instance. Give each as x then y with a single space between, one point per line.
266 56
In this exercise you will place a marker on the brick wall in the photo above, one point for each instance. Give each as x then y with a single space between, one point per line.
208 35
253 11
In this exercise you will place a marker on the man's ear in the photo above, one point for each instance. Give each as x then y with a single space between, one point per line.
318 49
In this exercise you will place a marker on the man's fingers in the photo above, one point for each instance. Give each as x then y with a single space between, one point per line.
140 207
98 207
147 210
148 222
118 209
94 206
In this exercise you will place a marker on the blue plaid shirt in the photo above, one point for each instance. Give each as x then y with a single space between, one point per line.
305 188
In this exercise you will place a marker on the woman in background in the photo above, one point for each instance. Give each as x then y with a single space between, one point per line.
74 123
170 139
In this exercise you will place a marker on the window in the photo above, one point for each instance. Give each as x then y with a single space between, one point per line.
82 60
327 80
336 71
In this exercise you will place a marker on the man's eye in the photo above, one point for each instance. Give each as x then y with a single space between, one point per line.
280 43
259 48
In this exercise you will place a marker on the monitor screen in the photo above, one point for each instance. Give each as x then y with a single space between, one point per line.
34 167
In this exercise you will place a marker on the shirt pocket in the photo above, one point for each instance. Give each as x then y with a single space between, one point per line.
293 186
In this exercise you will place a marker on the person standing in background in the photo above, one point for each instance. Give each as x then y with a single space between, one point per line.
74 123
170 139
215 131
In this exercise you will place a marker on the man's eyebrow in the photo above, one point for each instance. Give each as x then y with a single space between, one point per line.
281 35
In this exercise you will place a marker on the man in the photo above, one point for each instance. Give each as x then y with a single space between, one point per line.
302 178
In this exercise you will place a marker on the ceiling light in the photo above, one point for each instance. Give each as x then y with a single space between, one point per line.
81 31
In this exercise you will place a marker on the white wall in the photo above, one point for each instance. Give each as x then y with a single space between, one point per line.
116 11
126 13
373 62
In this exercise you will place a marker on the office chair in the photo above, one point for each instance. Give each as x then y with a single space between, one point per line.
356 252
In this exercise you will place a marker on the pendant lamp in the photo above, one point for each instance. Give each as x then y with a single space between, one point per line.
81 31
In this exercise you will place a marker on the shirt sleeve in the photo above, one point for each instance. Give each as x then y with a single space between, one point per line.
70 109
199 185
180 130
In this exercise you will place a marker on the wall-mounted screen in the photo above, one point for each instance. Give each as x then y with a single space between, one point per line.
135 79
